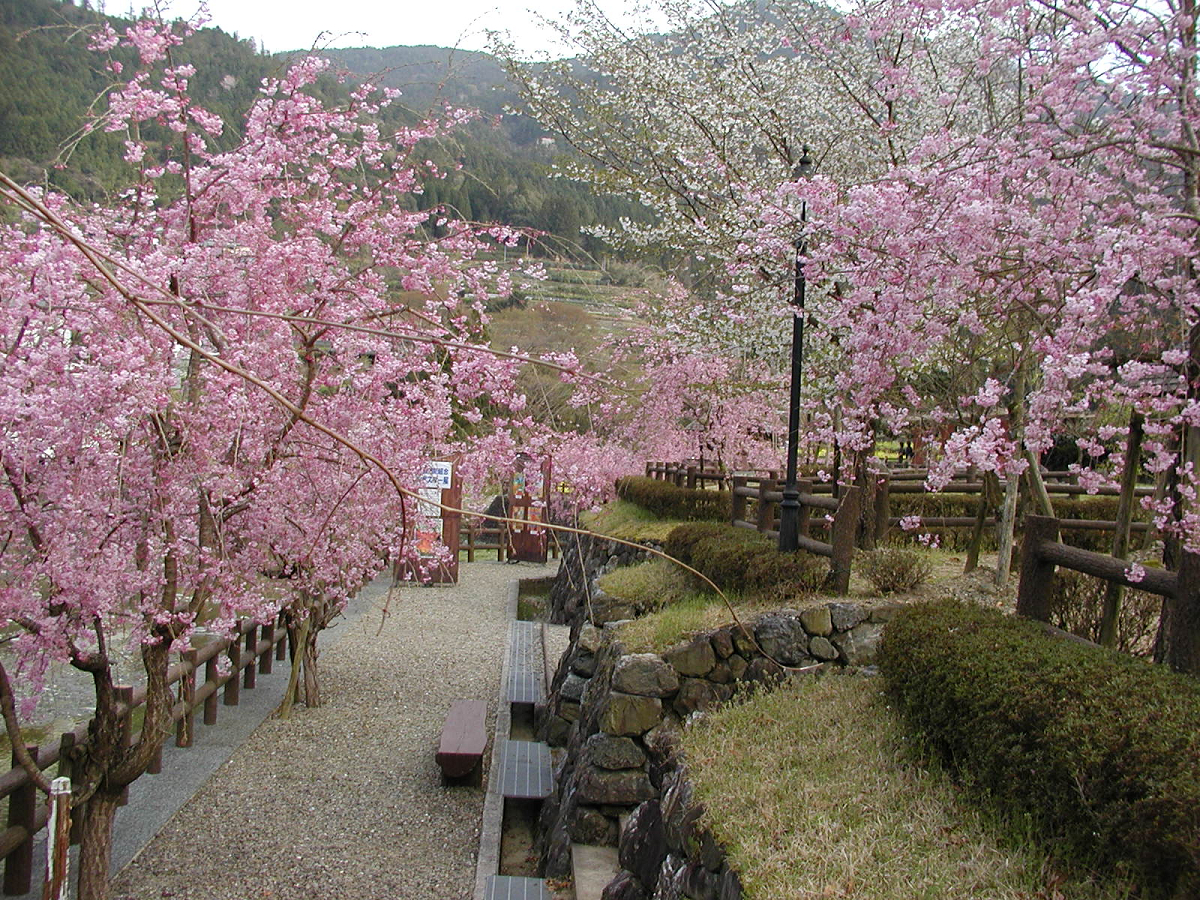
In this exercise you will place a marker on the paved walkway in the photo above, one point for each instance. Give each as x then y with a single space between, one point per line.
344 801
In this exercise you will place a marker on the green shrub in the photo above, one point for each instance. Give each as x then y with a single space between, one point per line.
739 559
665 499
1097 751
894 570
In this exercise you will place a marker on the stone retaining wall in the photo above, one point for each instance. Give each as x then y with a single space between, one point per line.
574 596
618 714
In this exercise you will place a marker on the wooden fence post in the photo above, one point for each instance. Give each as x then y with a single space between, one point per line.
250 673
210 702
123 695
66 766
58 841
233 686
281 647
1037 575
266 661
1181 630
766 509
22 807
804 517
883 506
690 478
737 505
845 524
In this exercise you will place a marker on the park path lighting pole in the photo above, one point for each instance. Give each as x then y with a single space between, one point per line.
789 509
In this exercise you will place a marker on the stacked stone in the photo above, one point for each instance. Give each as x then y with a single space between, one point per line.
574 596
665 852
618 714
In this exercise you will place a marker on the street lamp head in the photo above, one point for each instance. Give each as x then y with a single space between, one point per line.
804 167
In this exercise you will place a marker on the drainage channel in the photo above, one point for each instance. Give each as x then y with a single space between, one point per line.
521 772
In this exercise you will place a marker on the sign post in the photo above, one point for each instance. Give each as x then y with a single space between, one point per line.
528 507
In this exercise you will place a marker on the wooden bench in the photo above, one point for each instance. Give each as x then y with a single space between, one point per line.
464 738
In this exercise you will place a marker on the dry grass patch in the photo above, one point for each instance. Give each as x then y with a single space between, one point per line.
629 522
813 791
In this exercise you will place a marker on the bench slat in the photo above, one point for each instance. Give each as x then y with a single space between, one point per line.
464 738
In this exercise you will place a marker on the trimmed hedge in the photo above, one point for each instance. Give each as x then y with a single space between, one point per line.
950 505
665 499
1100 751
738 559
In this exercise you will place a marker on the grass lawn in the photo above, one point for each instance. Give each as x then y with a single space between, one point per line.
816 791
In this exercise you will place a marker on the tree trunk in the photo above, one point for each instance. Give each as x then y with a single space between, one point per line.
1114 592
1008 517
1008 520
95 850
988 499
312 685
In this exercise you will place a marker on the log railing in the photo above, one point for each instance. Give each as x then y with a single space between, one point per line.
251 650
768 494
689 473
1041 553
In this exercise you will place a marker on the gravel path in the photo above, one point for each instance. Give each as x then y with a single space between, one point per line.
345 801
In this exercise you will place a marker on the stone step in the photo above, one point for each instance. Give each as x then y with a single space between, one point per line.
593 868
525 771
527 666
513 887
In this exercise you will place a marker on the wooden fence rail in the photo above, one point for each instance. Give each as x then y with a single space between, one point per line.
689 474
768 494
251 650
1041 554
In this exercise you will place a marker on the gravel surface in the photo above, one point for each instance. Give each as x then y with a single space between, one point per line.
346 801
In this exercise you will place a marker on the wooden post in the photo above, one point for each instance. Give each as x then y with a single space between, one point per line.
1037 575
58 841
185 728
471 540
1181 629
250 673
22 807
234 684
266 661
737 504
281 647
210 702
123 694
845 524
66 767
804 517
690 477
766 509
883 506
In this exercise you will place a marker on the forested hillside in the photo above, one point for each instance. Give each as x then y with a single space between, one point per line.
498 167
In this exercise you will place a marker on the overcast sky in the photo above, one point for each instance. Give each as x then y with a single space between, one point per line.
281 25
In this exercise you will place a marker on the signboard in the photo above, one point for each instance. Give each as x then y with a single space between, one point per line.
528 504
435 531
438 474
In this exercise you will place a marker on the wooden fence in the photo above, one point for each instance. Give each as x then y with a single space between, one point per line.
689 473
768 494
903 481
480 535
1041 554
251 651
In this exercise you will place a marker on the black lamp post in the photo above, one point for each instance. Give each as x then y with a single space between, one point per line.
789 509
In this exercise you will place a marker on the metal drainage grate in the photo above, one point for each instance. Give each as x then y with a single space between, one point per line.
525 772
